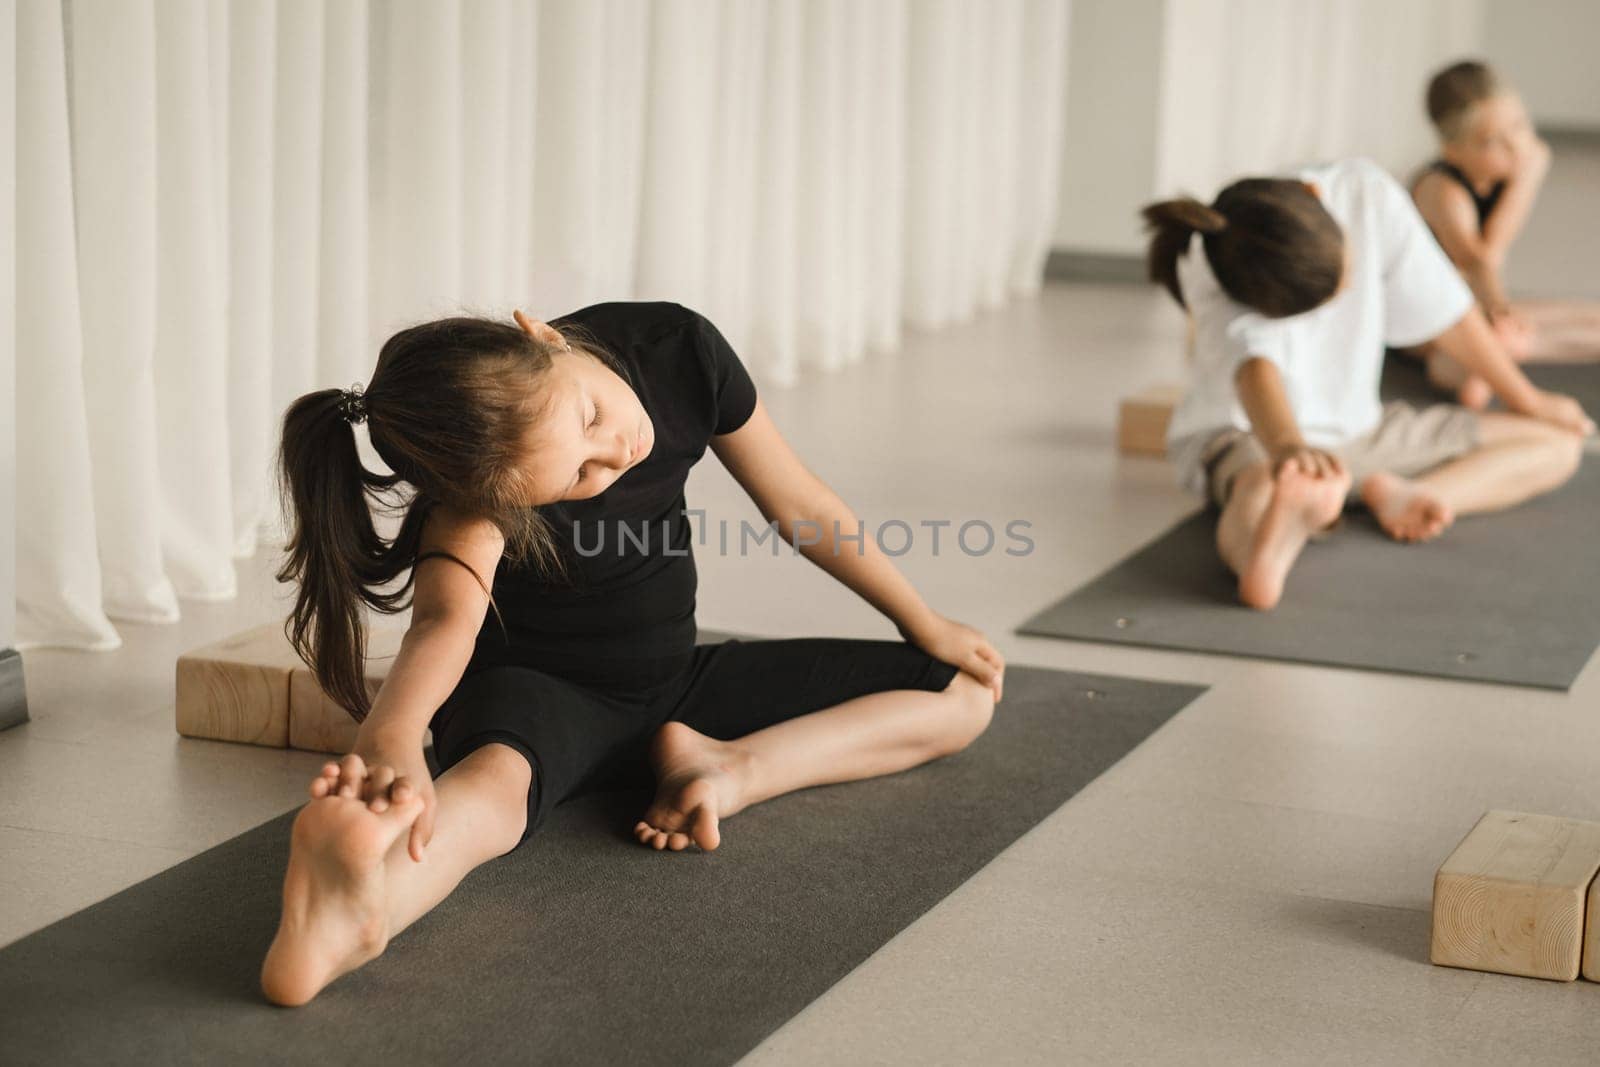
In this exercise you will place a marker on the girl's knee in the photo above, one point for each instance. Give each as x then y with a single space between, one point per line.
507 778
1559 451
974 703
1254 480
1566 453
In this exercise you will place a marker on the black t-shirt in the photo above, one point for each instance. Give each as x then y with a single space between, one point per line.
626 619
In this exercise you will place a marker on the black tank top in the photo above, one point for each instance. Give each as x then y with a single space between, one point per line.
627 618
1484 203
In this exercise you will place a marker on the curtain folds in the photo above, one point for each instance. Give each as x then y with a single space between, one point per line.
223 204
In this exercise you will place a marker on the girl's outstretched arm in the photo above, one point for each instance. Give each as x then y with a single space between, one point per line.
1471 343
447 610
1261 394
811 516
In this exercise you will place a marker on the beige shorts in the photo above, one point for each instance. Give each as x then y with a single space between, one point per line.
1406 442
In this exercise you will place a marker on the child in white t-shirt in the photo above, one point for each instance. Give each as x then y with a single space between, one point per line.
1295 286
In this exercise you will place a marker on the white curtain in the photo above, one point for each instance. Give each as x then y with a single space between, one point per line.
223 204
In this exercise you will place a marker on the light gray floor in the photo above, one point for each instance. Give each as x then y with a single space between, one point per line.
1251 885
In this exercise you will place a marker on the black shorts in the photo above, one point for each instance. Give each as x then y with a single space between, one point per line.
575 736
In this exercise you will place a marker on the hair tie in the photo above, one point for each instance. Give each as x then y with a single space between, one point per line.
353 404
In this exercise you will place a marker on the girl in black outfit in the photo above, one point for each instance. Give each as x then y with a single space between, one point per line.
553 458
1476 199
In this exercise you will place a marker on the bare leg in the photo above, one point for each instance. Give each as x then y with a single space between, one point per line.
1266 523
701 780
1519 458
1563 330
1445 373
352 885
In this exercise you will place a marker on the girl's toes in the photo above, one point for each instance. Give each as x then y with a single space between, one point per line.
678 842
659 842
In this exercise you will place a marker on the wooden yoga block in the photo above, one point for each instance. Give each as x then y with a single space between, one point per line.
1142 420
252 687
316 723
1511 897
1591 936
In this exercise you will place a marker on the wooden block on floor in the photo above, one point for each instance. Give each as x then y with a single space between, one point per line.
1142 420
237 689
253 687
316 723
1591 935
1512 896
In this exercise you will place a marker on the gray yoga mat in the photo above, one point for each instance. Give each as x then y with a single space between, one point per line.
1405 379
582 946
1512 597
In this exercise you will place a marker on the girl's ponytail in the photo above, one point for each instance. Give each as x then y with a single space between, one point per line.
1170 224
1270 242
447 409
334 550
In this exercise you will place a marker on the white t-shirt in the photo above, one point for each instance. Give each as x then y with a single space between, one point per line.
1402 290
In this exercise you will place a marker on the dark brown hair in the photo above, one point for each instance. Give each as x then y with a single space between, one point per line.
1454 90
447 409
1270 242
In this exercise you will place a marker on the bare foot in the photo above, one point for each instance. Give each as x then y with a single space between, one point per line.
1405 510
1472 391
1301 505
701 780
335 914
1475 393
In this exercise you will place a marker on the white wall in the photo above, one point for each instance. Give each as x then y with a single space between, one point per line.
8 334
1175 96
1113 94
1548 50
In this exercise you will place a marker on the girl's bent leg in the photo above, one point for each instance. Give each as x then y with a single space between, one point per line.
1268 520
1519 458
702 780
351 883
483 810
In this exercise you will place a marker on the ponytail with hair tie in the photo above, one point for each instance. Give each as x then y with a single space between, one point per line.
1170 224
1270 242
446 411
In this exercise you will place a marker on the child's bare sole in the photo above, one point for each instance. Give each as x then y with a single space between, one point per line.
1301 505
335 916
701 781
1405 510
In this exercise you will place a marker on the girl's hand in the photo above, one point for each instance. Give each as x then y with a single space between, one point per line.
1563 411
1533 155
961 646
1316 462
379 771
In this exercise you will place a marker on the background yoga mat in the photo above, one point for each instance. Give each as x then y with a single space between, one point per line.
582 946
1512 597
1405 379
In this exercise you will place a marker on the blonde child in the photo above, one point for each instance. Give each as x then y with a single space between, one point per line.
1476 198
